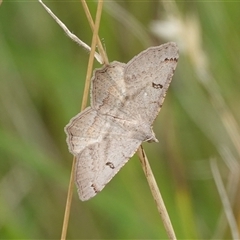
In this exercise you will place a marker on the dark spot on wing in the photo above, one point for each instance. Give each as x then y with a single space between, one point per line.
170 59
95 188
157 85
110 164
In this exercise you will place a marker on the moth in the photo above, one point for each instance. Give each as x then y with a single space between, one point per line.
125 100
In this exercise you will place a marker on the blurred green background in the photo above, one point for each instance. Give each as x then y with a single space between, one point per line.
42 74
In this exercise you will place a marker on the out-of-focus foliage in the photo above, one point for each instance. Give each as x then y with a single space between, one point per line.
42 75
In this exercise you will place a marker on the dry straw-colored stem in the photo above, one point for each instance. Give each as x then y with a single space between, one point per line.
69 202
91 23
91 57
156 193
84 104
69 34
225 200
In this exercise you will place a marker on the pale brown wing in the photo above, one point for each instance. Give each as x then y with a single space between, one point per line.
98 163
89 127
147 77
102 145
108 90
83 129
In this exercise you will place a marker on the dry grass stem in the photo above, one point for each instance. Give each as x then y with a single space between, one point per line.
84 104
225 200
68 202
232 187
91 23
156 193
71 35
91 57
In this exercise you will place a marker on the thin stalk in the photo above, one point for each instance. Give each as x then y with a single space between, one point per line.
91 23
156 194
84 104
